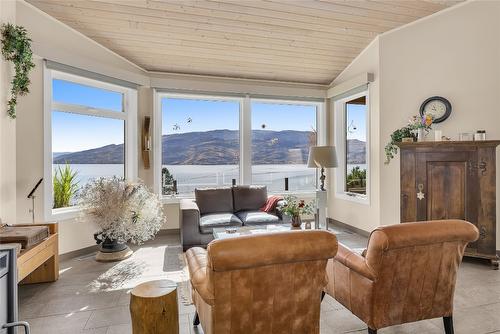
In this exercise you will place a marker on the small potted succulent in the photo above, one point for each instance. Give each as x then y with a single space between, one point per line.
295 208
124 211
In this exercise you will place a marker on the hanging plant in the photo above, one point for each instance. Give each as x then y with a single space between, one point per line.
16 47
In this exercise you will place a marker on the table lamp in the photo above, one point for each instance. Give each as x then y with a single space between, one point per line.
322 157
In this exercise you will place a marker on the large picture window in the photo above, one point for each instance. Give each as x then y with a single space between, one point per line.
281 136
200 143
207 141
88 125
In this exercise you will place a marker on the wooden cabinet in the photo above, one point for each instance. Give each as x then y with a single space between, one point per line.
452 180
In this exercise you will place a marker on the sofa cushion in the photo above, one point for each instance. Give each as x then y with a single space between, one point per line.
249 197
213 200
257 218
211 220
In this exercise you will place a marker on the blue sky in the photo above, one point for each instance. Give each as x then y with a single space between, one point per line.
73 132
70 92
185 115
356 122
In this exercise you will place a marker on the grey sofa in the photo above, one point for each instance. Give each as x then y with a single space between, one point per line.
223 207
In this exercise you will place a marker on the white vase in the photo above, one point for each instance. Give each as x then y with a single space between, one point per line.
420 134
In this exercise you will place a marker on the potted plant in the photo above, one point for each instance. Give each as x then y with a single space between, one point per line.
124 211
416 128
295 208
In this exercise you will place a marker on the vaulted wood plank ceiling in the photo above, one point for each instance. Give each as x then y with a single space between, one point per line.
308 41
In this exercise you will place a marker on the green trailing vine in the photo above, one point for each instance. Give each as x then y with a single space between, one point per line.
16 47
391 149
408 131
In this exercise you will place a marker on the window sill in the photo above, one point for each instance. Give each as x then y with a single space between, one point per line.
356 198
65 213
171 199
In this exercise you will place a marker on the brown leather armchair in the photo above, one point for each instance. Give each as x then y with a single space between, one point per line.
408 273
261 284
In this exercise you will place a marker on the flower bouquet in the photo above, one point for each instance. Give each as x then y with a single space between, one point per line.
295 208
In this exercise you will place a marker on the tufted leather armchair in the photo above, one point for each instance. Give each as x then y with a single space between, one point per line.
261 284
408 273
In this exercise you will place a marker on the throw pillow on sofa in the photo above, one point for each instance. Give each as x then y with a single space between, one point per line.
214 200
249 197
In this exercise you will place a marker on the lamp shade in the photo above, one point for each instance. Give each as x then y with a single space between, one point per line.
322 157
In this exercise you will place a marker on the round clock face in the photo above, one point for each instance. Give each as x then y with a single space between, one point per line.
438 107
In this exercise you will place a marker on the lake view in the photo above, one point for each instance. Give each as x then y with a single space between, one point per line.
300 178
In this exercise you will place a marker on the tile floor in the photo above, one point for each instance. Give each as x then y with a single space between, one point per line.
93 298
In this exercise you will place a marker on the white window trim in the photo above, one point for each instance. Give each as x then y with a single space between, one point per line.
157 134
245 127
129 116
340 146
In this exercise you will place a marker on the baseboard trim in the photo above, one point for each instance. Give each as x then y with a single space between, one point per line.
348 227
95 248
78 253
169 231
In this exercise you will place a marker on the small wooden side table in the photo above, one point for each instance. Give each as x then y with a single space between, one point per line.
154 309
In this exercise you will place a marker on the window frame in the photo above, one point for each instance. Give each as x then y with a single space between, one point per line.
320 130
128 115
340 141
157 134
245 131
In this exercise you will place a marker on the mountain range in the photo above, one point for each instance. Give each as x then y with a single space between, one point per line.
218 147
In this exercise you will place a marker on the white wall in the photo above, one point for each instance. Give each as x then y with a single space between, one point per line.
364 216
58 42
224 85
29 138
7 129
455 54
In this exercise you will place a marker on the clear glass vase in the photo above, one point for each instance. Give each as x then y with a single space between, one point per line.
296 221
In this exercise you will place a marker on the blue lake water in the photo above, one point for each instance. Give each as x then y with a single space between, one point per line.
300 178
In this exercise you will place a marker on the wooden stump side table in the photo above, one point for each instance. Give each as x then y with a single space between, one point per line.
154 309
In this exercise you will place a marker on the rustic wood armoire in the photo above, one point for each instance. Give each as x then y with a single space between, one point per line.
452 180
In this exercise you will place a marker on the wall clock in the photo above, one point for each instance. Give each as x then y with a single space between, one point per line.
438 107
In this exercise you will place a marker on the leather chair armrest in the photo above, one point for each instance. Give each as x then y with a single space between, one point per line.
354 262
197 264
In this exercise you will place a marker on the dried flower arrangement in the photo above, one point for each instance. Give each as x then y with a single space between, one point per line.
124 211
